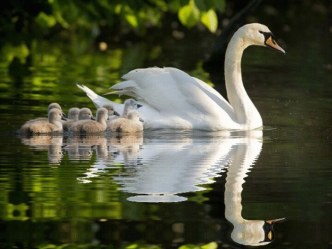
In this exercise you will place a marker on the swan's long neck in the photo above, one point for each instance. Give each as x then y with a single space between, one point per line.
245 111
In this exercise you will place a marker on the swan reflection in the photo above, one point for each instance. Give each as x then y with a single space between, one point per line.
245 232
163 167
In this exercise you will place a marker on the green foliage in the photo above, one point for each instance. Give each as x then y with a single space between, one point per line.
53 15
211 245
89 21
189 14
200 11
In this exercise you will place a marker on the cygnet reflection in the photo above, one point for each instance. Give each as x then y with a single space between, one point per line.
120 149
51 144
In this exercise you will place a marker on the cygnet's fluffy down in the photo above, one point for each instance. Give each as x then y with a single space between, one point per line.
130 105
85 114
112 114
45 119
91 126
54 124
130 124
72 117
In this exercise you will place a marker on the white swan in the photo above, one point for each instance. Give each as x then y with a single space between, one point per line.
173 99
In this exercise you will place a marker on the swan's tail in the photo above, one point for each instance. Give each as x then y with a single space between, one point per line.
97 100
91 94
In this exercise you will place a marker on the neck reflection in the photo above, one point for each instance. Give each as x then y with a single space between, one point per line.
246 232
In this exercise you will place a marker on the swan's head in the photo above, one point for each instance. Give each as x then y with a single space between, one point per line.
258 34
254 232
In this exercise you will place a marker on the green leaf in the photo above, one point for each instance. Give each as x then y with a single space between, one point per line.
211 245
189 246
210 20
132 20
45 20
189 14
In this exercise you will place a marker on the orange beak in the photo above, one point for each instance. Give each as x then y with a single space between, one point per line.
270 42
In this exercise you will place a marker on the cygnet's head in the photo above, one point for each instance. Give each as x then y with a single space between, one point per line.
111 110
73 113
102 114
85 113
54 115
258 34
130 105
133 115
54 105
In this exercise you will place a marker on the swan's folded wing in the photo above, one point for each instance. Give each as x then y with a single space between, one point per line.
214 95
199 95
154 87
172 91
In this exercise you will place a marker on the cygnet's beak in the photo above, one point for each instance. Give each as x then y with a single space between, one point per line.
140 119
63 117
139 105
116 113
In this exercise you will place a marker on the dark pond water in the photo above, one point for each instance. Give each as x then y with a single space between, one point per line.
170 189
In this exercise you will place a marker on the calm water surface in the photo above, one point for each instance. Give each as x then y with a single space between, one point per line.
167 189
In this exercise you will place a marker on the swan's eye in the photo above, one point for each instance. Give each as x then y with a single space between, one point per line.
267 35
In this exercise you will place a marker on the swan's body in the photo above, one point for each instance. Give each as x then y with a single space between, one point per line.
129 124
92 126
173 99
54 124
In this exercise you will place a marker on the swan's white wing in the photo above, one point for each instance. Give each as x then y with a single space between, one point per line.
215 96
172 91
200 88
